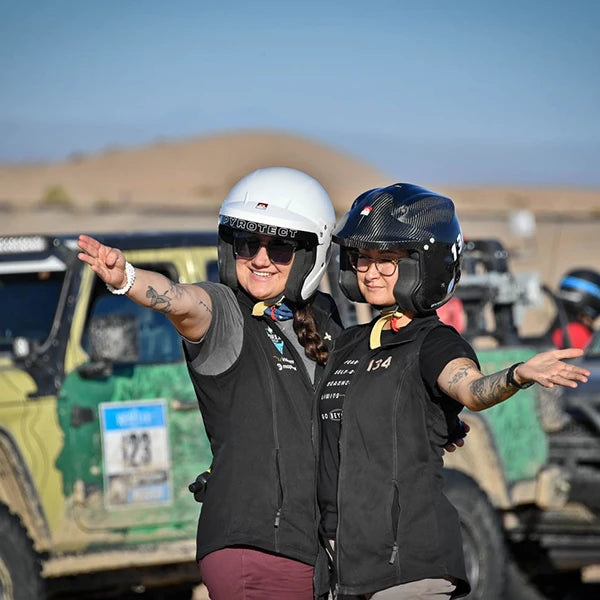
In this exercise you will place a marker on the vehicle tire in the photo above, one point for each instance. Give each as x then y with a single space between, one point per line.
20 569
483 539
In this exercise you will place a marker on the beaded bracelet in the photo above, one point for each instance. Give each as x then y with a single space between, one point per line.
130 272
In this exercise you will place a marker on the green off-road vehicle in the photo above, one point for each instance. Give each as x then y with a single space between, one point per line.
100 432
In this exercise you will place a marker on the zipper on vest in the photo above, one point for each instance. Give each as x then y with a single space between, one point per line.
276 444
394 553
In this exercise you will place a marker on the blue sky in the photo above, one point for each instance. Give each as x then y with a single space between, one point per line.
449 91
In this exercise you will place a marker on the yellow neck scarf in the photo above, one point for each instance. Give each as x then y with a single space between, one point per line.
258 310
375 339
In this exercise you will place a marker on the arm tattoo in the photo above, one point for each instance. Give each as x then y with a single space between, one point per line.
491 389
462 369
176 290
205 306
160 302
459 374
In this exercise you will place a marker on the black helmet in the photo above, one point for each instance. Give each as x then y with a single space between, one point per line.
413 218
579 291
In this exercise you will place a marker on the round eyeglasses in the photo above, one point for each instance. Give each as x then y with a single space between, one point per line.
279 250
384 266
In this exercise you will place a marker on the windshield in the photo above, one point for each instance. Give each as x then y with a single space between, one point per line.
28 303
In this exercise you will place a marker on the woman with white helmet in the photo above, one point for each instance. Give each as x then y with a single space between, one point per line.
255 346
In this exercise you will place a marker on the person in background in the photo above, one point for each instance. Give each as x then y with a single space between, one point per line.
578 303
389 394
453 313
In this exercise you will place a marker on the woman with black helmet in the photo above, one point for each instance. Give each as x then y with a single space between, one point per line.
578 303
391 389
255 348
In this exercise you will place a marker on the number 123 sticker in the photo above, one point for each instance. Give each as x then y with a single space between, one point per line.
135 449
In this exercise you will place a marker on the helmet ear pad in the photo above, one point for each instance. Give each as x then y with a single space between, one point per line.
408 284
347 277
304 260
226 258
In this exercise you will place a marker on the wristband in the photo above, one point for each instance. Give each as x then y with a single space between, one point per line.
130 273
510 378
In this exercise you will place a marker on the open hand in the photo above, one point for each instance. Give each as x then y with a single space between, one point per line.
549 370
108 263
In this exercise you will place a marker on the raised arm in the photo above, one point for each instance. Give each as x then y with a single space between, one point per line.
463 381
187 306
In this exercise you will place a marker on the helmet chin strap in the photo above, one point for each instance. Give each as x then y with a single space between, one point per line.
389 314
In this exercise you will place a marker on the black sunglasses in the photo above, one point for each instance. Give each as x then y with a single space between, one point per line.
279 251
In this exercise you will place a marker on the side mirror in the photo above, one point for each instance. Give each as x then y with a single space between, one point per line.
112 338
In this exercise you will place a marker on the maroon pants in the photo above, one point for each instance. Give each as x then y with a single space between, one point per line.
247 574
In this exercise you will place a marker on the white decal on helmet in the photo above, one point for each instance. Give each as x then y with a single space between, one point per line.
236 223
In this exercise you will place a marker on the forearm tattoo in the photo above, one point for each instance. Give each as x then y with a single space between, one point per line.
161 302
491 389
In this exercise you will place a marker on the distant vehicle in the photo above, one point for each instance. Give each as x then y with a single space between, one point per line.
100 432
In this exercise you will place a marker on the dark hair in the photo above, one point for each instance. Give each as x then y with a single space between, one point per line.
308 336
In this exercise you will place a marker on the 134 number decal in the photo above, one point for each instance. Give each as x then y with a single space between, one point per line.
375 364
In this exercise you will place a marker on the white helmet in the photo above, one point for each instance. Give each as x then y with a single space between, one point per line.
285 203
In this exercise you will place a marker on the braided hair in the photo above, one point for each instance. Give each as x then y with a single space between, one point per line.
308 336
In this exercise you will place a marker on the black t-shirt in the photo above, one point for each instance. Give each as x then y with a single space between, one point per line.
441 345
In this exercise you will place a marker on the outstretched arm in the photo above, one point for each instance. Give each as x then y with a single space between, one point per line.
187 306
463 381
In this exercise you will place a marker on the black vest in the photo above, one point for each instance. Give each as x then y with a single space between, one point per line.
261 491
394 523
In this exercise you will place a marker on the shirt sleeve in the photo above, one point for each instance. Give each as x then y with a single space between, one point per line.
218 350
442 345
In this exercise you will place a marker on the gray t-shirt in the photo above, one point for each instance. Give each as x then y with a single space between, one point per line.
218 350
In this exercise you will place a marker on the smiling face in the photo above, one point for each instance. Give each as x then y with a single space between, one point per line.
259 276
378 289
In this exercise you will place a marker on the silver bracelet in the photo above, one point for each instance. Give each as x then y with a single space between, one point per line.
130 272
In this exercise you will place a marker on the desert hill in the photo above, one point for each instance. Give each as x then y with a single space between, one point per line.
195 175
180 185
188 175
